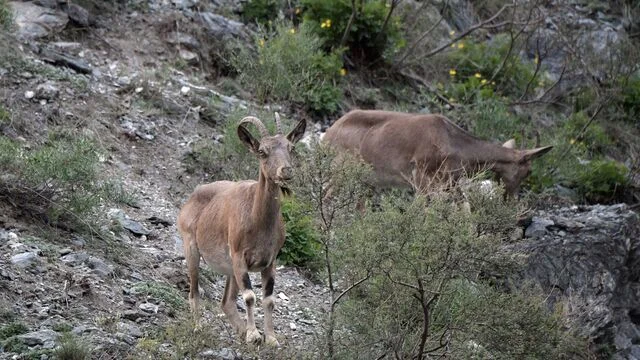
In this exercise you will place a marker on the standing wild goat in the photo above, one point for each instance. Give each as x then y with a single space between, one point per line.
237 228
419 150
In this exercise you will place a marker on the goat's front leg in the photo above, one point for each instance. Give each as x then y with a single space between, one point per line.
241 274
268 303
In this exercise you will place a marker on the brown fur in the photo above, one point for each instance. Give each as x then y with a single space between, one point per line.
417 150
237 227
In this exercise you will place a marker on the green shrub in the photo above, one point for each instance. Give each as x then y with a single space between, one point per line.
61 177
630 99
486 59
593 139
492 120
259 11
12 329
14 344
71 348
291 67
302 246
367 39
601 180
6 15
420 284
169 294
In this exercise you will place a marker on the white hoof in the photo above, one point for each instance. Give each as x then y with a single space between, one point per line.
254 336
271 340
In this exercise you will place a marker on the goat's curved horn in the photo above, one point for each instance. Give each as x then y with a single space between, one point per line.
257 123
278 126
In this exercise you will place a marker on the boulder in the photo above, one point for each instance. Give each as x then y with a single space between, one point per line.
588 260
36 21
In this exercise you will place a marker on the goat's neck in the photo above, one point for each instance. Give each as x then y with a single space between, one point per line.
266 203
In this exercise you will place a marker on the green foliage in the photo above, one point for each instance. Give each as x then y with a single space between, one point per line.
630 98
488 60
491 119
302 247
6 15
601 180
12 329
14 344
259 11
415 260
71 348
591 138
368 38
169 294
60 177
290 66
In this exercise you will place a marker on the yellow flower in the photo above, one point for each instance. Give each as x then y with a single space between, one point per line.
343 71
484 81
298 11
261 42
293 31
477 75
572 141
452 32
326 24
461 45
452 72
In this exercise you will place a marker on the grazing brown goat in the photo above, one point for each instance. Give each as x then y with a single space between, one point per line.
237 228
417 150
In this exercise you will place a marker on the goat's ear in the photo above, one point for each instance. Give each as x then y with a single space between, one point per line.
510 144
249 141
535 153
296 134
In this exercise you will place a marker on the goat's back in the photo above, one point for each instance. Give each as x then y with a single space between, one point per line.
393 142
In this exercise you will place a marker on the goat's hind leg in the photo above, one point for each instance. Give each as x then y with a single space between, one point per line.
229 305
192 256
268 303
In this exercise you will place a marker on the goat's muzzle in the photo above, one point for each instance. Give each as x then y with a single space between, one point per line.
284 173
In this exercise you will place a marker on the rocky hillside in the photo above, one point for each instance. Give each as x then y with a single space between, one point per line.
152 84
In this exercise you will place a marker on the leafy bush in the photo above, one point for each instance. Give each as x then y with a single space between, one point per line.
290 66
71 348
419 293
368 38
302 246
260 11
601 180
492 120
6 15
59 178
630 98
12 329
488 59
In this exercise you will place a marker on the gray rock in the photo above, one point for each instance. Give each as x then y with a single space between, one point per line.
65 251
593 269
185 4
129 329
133 226
35 21
75 259
149 308
538 227
222 27
47 91
51 4
45 338
78 14
99 267
132 315
186 40
190 57
24 259
83 329
222 354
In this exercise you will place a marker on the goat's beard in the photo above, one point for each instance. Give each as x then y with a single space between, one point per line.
286 191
